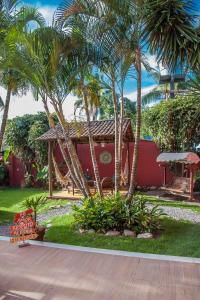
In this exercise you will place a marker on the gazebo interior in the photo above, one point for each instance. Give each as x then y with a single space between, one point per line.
103 133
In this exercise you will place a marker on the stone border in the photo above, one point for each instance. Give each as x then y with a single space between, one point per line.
112 252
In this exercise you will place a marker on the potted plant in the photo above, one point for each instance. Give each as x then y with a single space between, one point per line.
34 203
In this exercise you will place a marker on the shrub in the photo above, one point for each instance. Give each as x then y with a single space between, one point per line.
113 213
3 174
35 202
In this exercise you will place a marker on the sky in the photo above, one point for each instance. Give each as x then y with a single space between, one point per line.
26 104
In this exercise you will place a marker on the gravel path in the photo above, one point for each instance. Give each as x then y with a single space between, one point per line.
55 212
181 214
173 212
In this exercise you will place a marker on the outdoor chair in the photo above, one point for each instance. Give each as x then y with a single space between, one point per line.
107 183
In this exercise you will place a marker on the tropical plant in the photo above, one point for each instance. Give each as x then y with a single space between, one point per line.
104 109
113 213
87 87
43 59
1 104
13 18
42 175
35 203
174 123
123 30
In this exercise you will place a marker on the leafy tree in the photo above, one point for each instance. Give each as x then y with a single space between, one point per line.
103 110
174 123
13 19
20 136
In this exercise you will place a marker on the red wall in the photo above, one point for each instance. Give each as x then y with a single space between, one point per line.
16 172
149 172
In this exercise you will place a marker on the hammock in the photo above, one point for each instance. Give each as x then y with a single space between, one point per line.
63 180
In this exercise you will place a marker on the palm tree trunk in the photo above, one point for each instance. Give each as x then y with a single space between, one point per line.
5 115
138 127
117 163
121 131
91 142
77 168
65 157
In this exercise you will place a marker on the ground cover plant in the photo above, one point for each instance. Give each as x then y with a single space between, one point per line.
114 213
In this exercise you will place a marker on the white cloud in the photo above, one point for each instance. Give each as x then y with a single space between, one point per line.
47 12
155 65
133 96
26 104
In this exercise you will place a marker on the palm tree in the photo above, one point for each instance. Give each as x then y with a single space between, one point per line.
128 27
13 18
89 19
87 88
46 59
1 104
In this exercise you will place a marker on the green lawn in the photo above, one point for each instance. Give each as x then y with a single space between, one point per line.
11 202
178 238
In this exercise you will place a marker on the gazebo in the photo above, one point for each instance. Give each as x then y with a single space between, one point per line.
179 172
103 133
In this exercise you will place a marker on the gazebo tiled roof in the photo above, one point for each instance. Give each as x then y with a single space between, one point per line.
102 131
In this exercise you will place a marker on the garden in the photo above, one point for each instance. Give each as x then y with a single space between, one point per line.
97 52
86 226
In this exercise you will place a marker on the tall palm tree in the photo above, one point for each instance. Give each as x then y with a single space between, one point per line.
90 18
12 19
87 88
165 26
47 60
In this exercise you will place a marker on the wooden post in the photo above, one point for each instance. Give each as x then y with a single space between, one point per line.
191 183
128 147
50 164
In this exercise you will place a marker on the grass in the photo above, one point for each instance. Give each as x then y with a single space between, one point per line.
11 202
178 238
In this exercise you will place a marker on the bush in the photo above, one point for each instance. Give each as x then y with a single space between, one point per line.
113 213
3 174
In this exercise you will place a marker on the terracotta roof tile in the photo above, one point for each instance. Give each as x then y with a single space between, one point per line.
102 130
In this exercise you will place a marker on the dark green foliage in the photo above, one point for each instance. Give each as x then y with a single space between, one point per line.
113 213
3 174
106 110
21 137
174 123
42 176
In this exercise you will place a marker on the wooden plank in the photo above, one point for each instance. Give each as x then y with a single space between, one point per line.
44 273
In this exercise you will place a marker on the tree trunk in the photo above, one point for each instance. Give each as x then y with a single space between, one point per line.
91 143
65 157
76 165
121 132
138 127
5 116
117 163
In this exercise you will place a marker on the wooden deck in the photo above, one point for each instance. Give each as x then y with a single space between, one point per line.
43 273
77 195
